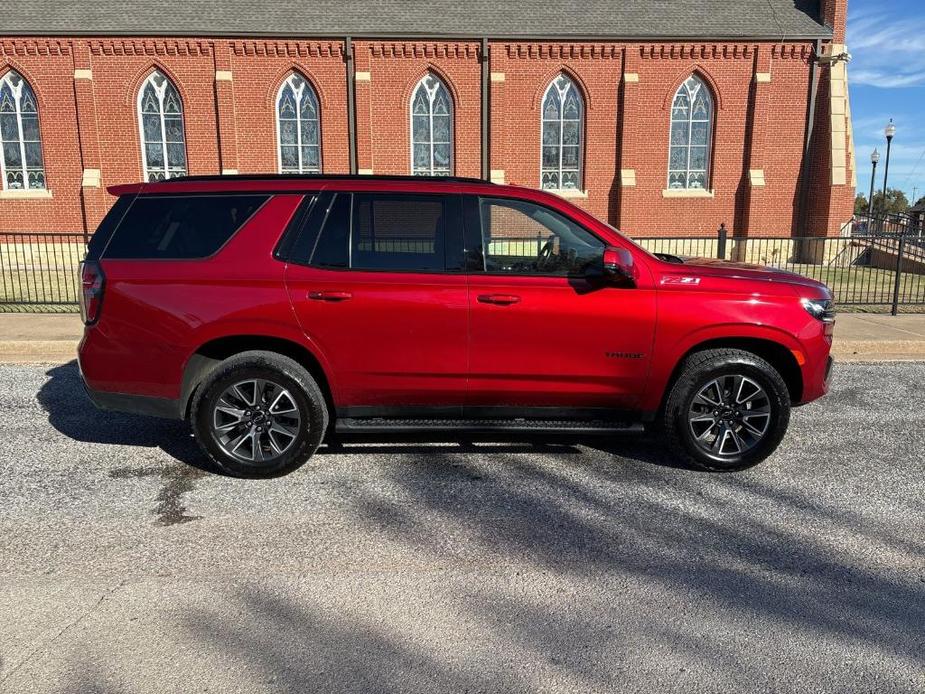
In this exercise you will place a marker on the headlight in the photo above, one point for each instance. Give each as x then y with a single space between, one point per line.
822 309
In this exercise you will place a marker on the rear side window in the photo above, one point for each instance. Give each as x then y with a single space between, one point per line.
180 227
398 232
106 228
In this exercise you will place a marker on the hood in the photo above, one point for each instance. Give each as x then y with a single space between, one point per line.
749 271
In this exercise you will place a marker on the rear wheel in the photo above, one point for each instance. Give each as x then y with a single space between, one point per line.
728 410
259 414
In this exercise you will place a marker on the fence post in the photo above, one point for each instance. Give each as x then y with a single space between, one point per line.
721 242
899 268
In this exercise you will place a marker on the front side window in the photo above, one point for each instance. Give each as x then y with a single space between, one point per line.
691 135
21 166
163 138
180 227
431 128
522 238
562 126
298 127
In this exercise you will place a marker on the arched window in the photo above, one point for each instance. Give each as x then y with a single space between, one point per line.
431 128
21 163
160 117
298 127
691 135
563 128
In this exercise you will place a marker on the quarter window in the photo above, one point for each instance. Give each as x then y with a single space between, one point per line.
163 139
431 128
21 166
691 135
180 227
521 238
298 127
562 132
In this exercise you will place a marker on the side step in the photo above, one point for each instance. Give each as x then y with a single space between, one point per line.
370 425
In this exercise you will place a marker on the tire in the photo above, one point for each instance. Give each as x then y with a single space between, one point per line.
693 427
259 414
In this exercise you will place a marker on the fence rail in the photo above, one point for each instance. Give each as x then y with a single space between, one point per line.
39 271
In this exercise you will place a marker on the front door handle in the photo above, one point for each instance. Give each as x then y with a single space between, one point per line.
330 296
499 299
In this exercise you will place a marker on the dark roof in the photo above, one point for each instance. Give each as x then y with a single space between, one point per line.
605 19
918 208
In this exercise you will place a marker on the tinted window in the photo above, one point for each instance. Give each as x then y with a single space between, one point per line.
104 231
333 246
399 232
172 227
522 238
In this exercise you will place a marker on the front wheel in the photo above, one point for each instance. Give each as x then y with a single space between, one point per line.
259 414
728 410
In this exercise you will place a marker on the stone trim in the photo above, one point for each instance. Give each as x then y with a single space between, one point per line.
498 77
92 178
229 172
756 178
762 77
497 175
571 194
36 194
628 178
83 74
363 76
224 76
631 77
688 193
365 172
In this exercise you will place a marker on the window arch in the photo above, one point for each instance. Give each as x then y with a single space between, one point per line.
691 135
431 128
298 126
160 119
562 132
21 166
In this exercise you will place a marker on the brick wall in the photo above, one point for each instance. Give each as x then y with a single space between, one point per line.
87 90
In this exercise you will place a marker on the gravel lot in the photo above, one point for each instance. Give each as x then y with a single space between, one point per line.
505 566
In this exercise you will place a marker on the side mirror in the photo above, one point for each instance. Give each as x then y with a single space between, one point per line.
618 266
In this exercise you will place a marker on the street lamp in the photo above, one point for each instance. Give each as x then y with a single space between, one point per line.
889 131
874 159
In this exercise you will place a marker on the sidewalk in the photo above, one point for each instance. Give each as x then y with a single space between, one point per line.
52 338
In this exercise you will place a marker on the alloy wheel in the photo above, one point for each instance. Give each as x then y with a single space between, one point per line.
729 416
256 421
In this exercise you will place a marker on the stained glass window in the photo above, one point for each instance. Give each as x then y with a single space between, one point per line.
21 166
298 126
562 132
691 136
431 128
160 117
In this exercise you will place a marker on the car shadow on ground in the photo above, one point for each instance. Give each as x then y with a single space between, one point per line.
71 412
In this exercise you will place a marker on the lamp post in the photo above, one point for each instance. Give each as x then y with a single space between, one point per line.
874 159
889 131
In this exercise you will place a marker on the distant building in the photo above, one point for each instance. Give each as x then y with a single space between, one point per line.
663 119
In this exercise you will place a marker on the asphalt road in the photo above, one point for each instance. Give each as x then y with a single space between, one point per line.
486 566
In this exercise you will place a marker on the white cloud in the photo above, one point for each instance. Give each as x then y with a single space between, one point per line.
887 53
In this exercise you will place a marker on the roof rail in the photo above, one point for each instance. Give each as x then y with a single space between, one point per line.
326 177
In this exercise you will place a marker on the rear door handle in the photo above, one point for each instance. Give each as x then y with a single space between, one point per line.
499 299
330 296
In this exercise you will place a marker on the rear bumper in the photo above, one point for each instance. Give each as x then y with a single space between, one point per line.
135 404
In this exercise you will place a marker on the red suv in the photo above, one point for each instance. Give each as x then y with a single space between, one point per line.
267 310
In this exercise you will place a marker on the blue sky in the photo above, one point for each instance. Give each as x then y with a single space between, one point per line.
886 78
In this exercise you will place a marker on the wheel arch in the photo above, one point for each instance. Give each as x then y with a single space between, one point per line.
776 354
210 354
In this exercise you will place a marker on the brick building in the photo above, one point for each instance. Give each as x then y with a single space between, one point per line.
663 118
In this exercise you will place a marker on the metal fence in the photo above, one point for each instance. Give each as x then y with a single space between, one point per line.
866 271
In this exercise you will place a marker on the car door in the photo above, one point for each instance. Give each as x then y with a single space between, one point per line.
547 329
378 285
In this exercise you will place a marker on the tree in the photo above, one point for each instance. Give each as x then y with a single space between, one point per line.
896 202
860 204
920 202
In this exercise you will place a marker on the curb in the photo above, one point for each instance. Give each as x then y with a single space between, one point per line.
38 351
878 350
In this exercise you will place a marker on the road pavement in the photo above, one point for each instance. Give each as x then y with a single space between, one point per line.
394 565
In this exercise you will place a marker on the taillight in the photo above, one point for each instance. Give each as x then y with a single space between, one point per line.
91 291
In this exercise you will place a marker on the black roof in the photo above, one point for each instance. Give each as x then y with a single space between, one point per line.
430 19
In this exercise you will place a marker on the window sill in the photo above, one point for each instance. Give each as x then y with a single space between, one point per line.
569 193
687 193
38 194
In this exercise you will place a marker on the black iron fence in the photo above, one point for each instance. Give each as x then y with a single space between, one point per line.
864 270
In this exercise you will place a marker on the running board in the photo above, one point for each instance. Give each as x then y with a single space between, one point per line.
369 425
